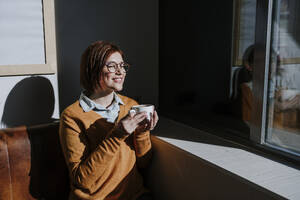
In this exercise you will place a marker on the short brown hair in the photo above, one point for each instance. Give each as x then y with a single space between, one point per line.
92 62
248 57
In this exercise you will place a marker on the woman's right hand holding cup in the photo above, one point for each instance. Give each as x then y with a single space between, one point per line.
132 121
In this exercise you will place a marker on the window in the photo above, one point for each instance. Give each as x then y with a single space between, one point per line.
27 41
244 28
236 95
266 39
283 111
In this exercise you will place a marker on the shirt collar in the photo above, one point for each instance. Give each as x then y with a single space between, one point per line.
87 104
118 99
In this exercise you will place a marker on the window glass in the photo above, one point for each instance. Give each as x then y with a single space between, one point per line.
22 32
283 127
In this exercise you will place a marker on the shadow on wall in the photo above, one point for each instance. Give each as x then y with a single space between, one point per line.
30 102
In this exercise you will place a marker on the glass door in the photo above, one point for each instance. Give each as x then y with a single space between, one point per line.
283 96
275 118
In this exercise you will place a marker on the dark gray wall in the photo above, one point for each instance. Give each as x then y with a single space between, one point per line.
195 53
133 25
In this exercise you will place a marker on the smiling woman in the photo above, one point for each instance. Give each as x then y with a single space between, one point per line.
105 147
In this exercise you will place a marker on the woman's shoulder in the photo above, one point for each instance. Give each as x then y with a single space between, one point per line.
127 100
73 109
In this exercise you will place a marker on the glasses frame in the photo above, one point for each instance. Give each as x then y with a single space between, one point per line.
116 67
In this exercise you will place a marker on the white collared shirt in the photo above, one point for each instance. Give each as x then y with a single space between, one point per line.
110 113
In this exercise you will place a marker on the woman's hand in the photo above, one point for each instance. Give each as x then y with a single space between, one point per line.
154 120
147 125
131 122
293 103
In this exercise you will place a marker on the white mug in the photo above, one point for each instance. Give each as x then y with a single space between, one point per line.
148 108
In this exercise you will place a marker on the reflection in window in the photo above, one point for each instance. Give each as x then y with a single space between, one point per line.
284 86
244 28
241 94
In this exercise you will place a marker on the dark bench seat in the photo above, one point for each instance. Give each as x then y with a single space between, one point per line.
32 164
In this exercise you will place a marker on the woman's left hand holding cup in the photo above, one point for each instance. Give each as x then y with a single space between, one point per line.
147 125
154 120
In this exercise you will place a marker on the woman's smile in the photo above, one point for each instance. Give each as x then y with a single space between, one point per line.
118 79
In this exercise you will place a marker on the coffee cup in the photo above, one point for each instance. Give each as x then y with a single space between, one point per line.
148 108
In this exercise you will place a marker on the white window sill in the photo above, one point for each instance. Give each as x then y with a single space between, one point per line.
273 176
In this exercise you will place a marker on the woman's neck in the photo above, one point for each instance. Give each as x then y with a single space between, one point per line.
104 98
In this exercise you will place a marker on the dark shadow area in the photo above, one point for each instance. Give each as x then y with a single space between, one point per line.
196 63
48 173
194 58
193 130
30 102
219 124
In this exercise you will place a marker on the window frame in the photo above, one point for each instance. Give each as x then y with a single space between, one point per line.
262 52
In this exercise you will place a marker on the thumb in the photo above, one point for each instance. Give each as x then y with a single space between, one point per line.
131 113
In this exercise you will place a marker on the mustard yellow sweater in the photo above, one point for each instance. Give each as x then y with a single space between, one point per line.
103 161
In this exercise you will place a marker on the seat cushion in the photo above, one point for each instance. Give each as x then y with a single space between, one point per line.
35 166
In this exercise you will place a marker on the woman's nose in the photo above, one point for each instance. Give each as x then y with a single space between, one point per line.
119 71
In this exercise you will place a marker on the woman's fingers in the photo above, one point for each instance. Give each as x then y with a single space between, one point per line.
134 122
154 120
151 121
131 114
139 117
131 122
155 117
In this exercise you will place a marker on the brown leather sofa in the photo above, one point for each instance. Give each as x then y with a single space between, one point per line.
32 164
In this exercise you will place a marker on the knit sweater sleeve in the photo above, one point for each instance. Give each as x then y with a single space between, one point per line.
143 148
85 168
142 145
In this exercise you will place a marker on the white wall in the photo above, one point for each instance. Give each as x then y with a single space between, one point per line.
28 100
25 100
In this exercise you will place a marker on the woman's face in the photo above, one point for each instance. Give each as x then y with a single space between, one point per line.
112 81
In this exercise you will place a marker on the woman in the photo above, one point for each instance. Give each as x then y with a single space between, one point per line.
103 146
283 108
241 100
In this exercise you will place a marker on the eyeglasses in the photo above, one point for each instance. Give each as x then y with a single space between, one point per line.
113 67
